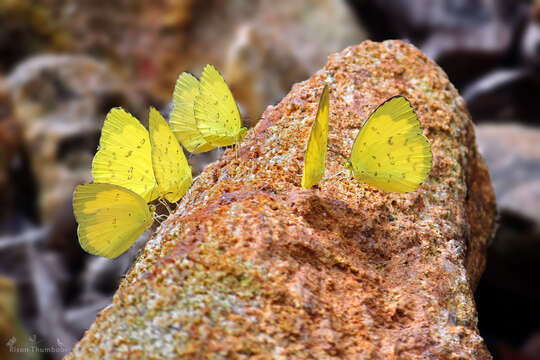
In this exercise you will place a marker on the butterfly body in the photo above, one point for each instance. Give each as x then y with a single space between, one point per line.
205 114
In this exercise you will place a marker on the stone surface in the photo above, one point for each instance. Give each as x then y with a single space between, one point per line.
252 266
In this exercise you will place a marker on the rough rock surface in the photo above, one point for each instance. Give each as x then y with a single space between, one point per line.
252 266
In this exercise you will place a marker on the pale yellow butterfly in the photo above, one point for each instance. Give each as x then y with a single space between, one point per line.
216 113
390 151
111 218
315 158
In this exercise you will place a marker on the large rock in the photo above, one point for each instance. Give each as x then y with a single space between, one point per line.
251 265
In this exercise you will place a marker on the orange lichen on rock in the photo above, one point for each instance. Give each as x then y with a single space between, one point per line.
253 266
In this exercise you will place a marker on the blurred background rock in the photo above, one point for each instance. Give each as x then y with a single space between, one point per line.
63 65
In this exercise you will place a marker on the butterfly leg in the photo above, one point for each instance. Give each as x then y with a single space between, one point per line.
167 207
164 203
157 218
347 172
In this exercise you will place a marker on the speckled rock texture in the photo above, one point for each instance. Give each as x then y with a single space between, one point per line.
252 266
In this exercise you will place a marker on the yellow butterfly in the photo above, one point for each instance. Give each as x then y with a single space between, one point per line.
171 169
124 156
390 151
205 115
315 158
152 165
182 119
111 218
139 167
216 113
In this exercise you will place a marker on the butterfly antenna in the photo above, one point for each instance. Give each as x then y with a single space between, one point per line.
160 218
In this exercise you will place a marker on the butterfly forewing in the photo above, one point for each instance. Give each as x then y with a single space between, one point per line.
216 112
171 169
182 120
124 156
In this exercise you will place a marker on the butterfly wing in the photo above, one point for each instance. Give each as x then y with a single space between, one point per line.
216 113
124 156
315 158
111 218
182 116
390 151
173 174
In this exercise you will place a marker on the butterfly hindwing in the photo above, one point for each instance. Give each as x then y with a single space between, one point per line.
182 119
171 169
111 218
124 156
216 112
390 151
315 158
